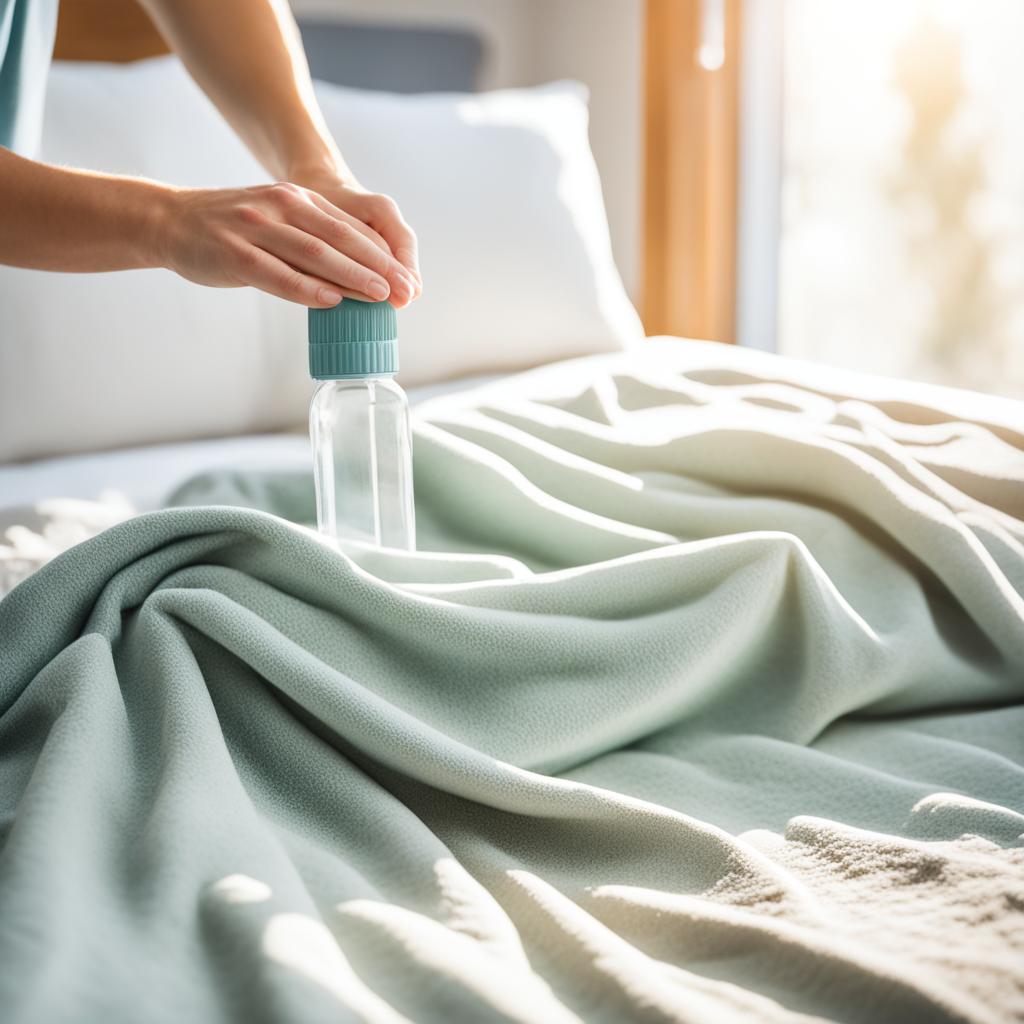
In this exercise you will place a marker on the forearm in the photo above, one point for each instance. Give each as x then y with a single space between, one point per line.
313 244
281 238
53 218
248 58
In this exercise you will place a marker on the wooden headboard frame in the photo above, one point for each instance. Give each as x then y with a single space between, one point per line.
107 30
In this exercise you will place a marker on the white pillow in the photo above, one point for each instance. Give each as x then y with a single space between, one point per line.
502 190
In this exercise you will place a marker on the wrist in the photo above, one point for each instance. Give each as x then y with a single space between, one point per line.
323 172
154 219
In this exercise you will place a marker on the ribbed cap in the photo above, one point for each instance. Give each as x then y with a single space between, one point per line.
353 339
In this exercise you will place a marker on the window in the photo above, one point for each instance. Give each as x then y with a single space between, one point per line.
902 188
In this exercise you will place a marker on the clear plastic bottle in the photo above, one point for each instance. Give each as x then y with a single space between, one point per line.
359 426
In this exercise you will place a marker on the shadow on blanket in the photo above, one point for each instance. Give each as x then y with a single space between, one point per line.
695 707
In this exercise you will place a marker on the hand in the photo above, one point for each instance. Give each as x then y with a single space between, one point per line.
289 241
378 212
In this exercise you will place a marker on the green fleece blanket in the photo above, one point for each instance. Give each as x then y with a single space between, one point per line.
703 702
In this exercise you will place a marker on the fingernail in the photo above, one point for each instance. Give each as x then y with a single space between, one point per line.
328 296
409 287
378 290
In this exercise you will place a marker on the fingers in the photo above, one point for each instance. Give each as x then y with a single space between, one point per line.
312 255
383 215
265 271
348 252
343 234
328 207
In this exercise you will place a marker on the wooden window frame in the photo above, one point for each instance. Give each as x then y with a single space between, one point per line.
691 175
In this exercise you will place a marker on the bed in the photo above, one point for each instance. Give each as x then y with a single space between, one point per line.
702 699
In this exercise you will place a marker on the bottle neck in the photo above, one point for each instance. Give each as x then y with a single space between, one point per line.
352 378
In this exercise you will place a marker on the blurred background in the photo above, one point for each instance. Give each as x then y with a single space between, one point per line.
831 180
901 238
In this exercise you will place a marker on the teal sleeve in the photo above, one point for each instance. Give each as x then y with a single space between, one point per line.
27 32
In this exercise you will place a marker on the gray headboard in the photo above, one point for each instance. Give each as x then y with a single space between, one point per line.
393 58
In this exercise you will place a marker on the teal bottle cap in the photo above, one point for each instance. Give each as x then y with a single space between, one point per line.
353 339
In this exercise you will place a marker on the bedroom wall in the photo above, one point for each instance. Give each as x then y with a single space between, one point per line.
598 42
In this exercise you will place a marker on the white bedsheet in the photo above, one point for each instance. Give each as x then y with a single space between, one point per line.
145 476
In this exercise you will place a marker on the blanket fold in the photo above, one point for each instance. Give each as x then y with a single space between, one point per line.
703 701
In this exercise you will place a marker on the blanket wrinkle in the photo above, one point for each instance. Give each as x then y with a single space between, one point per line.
702 702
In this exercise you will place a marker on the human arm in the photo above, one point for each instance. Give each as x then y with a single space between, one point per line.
270 104
284 239
311 238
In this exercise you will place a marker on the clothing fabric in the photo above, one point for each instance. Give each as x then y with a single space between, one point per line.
27 32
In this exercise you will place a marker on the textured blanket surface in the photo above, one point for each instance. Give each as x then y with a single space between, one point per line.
704 702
